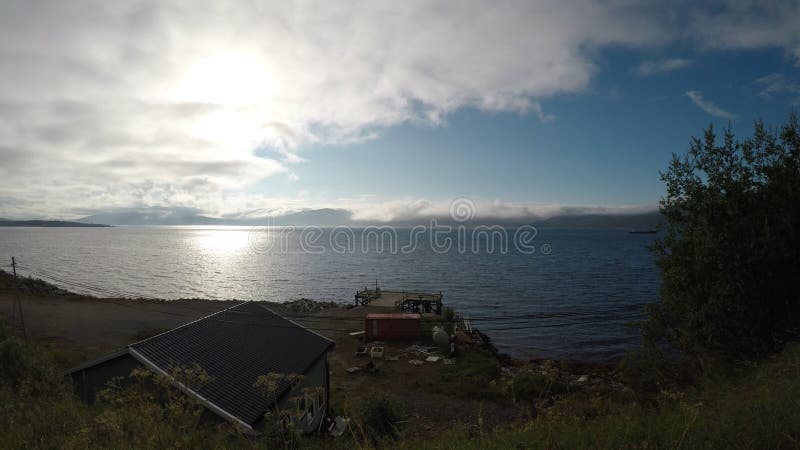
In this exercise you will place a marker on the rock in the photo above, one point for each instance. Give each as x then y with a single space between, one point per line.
583 379
463 339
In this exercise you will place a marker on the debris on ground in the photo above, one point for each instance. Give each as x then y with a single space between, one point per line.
338 426
449 361
357 333
354 369
415 362
433 359
376 352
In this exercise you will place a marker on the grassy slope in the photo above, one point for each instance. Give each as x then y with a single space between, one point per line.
760 408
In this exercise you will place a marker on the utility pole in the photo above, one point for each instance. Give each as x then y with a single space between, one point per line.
19 302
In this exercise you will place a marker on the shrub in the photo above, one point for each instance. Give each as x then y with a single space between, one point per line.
529 386
729 261
380 415
26 367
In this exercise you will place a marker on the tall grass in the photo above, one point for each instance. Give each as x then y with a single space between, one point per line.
756 409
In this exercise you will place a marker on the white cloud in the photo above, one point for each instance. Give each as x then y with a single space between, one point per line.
647 68
480 209
746 24
778 85
122 103
710 108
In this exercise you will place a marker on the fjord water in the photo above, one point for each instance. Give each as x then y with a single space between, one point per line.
569 295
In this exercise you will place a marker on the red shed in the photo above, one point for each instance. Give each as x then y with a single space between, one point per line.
392 327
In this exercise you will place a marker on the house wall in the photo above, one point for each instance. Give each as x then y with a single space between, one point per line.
315 377
91 380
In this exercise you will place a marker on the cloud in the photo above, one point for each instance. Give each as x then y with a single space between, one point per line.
411 209
746 24
777 84
709 107
126 103
647 68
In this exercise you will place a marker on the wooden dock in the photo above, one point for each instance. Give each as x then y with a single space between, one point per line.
416 302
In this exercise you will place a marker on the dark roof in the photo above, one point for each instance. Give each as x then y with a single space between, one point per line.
235 347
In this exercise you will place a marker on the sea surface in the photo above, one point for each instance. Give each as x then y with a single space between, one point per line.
553 293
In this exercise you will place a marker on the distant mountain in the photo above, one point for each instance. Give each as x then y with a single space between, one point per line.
328 217
185 216
154 217
324 217
46 223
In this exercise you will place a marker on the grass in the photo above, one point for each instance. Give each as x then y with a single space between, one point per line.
475 376
759 407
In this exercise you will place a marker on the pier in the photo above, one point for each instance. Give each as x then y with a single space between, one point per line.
413 302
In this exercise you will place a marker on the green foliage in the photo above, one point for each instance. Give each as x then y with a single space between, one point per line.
475 375
448 314
530 386
644 370
730 260
380 416
757 410
26 367
280 424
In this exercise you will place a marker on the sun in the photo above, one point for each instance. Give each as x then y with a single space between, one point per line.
237 88
228 79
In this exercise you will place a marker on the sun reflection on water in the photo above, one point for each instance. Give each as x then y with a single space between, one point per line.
227 241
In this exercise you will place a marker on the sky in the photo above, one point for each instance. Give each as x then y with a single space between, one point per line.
388 109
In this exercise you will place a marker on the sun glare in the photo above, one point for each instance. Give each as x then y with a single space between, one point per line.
240 86
232 79
223 240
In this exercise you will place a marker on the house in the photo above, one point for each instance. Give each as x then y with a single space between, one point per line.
234 347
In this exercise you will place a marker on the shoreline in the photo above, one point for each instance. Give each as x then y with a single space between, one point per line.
79 328
42 293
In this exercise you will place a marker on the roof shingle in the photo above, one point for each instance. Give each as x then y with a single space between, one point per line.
235 347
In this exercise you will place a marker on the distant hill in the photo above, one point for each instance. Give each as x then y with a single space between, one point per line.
46 223
163 216
153 217
328 217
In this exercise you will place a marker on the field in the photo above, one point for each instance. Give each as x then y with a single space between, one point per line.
480 402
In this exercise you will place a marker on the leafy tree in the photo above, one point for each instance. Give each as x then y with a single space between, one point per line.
730 259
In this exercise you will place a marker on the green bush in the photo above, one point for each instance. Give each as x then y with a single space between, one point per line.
730 254
474 375
26 367
529 386
644 370
380 416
